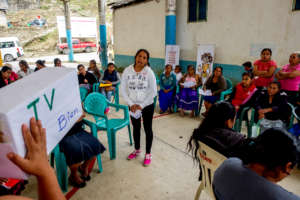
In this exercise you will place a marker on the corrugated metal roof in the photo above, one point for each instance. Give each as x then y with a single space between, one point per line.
123 3
3 5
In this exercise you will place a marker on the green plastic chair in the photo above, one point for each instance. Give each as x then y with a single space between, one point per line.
115 94
251 123
95 105
58 158
223 94
83 93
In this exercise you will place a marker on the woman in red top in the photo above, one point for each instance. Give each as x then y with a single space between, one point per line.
264 69
243 90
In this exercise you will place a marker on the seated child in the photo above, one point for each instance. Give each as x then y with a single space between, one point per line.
167 84
111 76
178 73
80 148
188 98
242 91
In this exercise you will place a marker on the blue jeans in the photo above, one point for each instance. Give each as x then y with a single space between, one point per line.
107 94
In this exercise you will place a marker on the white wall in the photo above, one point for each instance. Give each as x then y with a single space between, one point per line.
235 25
138 26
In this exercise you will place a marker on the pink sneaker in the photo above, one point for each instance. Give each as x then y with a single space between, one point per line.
134 154
147 159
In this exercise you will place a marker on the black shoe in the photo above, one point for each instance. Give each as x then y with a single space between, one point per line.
85 178
75 184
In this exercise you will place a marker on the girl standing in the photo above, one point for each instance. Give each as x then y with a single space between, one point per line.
167 84
264 69
138 87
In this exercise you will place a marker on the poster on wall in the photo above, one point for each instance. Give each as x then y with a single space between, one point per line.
172 55
205 60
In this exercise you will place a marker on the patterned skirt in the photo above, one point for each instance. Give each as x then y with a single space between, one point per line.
187 99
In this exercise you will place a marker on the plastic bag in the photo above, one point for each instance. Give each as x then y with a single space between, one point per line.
266 124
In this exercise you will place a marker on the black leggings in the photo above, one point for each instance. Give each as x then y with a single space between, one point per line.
147 114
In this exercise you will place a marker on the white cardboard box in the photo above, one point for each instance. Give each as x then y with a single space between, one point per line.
51 94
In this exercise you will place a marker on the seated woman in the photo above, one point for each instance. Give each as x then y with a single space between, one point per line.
242 91
272 104
167 84
94 69
216 132
267 159
216 83
40 64
85 79
4 76
24 69
111 76
188 98
80 148
289 77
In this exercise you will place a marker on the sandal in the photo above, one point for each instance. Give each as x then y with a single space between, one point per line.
85 178
75 184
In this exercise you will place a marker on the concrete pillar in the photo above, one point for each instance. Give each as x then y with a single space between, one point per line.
102 30
170 33
68 29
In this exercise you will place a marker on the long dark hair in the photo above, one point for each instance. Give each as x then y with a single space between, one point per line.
216 117
273 148
146 52
24 63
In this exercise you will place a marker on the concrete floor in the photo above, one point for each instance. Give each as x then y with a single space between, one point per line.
172 174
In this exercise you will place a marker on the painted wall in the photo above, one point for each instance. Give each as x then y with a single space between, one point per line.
139 26
236 25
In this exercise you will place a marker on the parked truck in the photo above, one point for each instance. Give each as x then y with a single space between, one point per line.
77 45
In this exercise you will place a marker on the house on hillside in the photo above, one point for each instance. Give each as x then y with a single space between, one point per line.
239 29
3 9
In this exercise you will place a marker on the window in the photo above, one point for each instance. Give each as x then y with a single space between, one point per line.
7 44
296 5
197 10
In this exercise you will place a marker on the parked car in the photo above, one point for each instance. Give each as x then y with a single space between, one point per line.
77 45
10 49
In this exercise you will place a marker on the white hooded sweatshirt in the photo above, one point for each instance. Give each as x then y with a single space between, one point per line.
138 87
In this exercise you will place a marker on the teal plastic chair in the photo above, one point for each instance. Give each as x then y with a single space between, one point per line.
223 94
83 93
95 105
250 123
58 158
115 94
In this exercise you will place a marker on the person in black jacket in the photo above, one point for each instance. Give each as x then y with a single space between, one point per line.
216 132
272 104
85 78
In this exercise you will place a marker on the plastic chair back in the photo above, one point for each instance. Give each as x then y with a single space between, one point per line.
95 103
83 93
210 160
